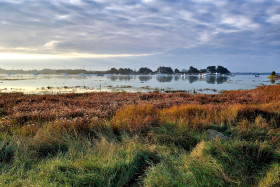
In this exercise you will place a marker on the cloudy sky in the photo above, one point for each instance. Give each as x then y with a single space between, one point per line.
99 34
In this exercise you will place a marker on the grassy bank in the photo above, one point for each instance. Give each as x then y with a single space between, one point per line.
134 139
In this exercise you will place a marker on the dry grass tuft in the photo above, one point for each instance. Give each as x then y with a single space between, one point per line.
135 118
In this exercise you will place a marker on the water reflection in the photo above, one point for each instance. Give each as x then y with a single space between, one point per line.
211 79
165 78
176 78
193 79
144 78
272 81
126 78
218 80
221 80
121 77
114 78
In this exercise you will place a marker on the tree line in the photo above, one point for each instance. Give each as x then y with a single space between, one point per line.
169 70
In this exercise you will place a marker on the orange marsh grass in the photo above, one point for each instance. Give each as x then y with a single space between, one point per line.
192 115
199 116
136 118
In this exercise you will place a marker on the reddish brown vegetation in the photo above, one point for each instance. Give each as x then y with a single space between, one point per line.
31 111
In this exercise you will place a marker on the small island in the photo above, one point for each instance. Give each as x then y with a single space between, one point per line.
274 76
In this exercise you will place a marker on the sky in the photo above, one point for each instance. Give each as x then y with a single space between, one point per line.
243 36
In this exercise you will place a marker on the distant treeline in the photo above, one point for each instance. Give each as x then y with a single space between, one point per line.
123 71
169 70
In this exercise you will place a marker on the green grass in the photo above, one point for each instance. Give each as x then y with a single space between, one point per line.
167 155
272 177
87 162
215 163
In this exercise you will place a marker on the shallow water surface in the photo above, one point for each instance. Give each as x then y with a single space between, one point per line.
40 84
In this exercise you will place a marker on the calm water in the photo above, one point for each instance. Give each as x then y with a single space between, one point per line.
84 83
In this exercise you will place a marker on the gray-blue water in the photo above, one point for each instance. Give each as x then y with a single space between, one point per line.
39 84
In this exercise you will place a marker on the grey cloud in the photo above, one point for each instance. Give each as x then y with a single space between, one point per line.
140 26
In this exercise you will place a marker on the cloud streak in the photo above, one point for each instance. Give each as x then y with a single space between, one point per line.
27 56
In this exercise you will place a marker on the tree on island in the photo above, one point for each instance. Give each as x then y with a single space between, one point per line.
274 76
113 71
165 70
125 71
202 71
176 71
222 70
144 71
193 70
212 69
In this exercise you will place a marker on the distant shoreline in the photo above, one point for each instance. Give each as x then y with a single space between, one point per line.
122 71
79 71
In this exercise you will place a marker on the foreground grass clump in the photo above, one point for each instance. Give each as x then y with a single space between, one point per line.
87 162
107 164
153 139
216 164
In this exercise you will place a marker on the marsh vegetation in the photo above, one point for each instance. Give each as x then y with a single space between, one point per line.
141 139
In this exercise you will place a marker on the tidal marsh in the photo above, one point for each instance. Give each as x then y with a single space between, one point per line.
140 139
